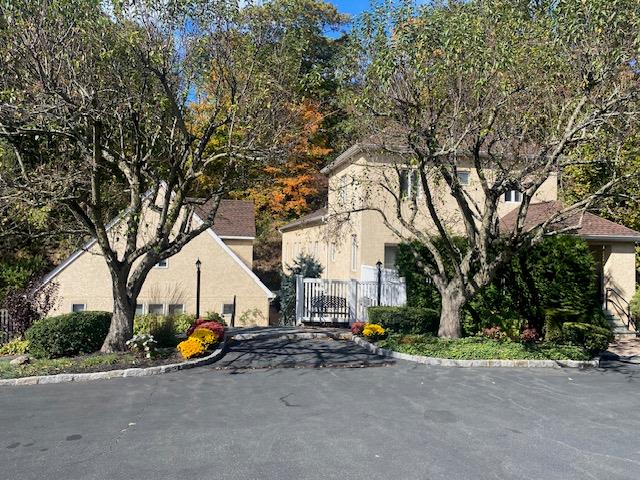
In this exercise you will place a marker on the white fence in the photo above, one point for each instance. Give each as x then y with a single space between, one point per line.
344 301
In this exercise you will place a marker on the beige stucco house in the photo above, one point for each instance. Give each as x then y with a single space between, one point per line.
347 243
226 255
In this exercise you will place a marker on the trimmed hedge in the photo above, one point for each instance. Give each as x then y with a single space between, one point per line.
69 334
593 338
406 320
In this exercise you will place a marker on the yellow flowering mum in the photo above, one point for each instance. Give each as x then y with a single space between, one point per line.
191 347
372 330
206 336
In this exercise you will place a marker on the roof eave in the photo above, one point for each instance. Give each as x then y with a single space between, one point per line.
612 238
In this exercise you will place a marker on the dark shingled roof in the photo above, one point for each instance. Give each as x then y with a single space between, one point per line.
305 220
234 218
592 225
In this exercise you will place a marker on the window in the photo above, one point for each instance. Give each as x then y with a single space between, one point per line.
156 309
176 309
316 249
513 196
139 309
354 252
463 177
334 249
227 309
163 264
410 185
78 307
390 254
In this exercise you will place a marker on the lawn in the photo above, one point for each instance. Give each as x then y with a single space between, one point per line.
86 363
478 348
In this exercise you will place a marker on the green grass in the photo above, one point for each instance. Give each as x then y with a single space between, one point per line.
89 363
478 348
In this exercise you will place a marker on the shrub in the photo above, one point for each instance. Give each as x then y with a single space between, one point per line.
17 346
215 317
592 337
143 343
356 328
215 327
635 304
529 335
494 333
191 347
304 265
182 322
69 334
405 319
163 329
373 331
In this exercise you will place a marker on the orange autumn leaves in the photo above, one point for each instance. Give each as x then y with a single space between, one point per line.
291 185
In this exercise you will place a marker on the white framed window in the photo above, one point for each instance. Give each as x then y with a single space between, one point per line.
410 184
316 249
513 196
155 309
463 176
139 309
227 309
334 251
163 263
78 307
354 253
176 309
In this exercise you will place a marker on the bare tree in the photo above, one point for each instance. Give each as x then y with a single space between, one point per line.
507 89
140 106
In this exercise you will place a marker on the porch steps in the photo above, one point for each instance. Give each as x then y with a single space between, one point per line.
619 328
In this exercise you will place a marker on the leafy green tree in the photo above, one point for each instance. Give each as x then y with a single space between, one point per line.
308 267
512 87
99 102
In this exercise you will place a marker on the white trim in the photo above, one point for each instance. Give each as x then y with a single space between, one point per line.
464 170
611 238
162 267
235 237
231 253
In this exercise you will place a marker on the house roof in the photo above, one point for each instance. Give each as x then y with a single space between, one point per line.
306 220
592 226
234 218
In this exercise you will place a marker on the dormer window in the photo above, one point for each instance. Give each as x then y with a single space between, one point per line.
513 196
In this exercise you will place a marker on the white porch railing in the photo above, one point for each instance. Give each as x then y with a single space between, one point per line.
343 301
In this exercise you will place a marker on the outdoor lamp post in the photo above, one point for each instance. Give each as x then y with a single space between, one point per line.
379 265
198 263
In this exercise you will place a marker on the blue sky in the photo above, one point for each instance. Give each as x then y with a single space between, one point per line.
351 6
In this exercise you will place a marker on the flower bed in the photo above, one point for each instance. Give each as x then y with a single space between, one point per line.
480 348
201 336
96 362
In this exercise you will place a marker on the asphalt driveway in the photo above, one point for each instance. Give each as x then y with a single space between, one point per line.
402 421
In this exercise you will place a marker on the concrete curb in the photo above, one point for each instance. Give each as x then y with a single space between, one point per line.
127 372
447 362
441 362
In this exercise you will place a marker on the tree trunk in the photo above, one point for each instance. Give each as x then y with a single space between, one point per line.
452 302
121 328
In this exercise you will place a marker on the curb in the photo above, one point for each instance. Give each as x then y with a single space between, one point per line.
127 372
447 362
441 362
